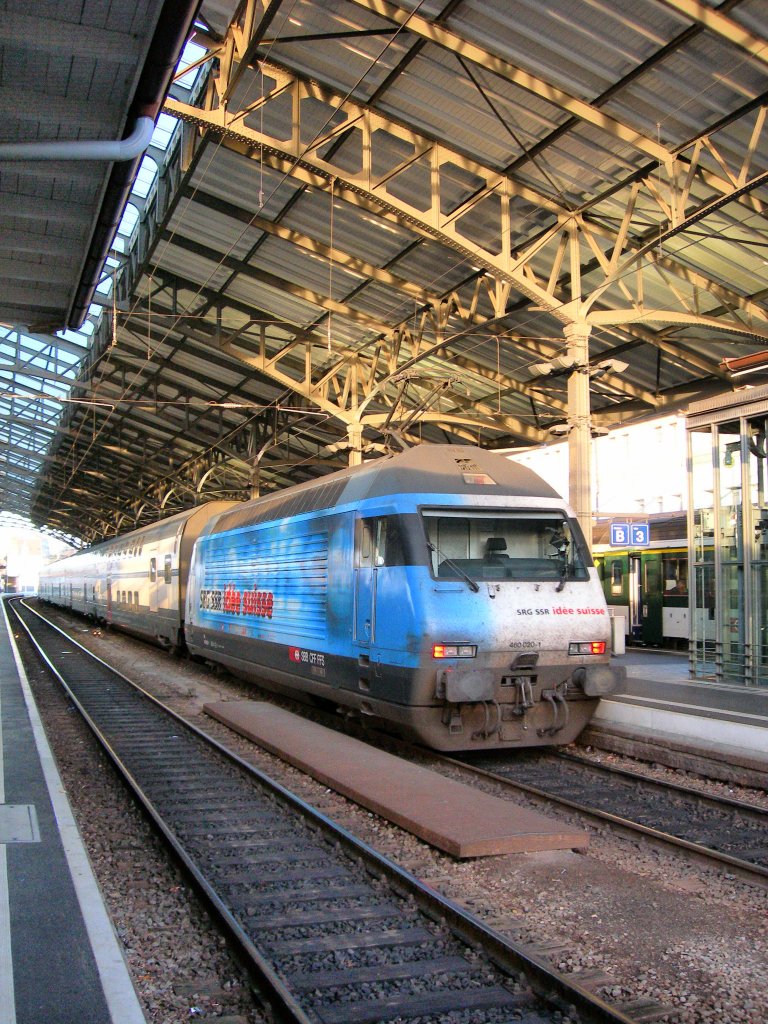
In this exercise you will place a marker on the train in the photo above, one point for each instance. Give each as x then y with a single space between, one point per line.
444 593
648 586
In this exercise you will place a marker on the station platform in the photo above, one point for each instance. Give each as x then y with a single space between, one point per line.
459 819
661 714
60 960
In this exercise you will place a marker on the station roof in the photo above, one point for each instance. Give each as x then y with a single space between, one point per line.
370 223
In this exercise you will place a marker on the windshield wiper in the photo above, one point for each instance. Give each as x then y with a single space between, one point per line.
456 568
560 543
563 575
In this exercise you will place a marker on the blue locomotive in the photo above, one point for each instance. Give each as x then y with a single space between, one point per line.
445 593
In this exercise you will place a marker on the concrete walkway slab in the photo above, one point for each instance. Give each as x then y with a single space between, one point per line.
458 819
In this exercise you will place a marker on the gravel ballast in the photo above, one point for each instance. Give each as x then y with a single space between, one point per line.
631 920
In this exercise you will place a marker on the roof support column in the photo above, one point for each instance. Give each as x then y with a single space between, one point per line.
255 484
580 427
355 434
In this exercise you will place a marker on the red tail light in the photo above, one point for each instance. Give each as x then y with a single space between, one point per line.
587 647
454 650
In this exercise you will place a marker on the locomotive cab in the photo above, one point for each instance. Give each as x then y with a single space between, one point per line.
520 637
478 626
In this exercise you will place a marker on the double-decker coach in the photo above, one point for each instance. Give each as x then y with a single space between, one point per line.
137 581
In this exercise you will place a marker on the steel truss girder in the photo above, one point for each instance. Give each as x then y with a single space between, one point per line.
344 383
341 382
223 467
426 300
347 382
159 209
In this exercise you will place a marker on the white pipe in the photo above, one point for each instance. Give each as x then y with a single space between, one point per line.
124 149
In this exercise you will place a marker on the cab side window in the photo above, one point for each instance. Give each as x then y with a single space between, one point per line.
381 542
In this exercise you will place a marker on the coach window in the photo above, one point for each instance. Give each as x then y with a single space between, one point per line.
675 572
152 570
168 574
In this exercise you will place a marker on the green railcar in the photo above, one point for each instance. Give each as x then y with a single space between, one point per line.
648 586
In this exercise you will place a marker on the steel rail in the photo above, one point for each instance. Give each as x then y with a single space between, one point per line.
269 983
552 990
746 869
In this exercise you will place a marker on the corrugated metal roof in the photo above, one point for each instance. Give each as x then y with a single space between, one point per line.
72 73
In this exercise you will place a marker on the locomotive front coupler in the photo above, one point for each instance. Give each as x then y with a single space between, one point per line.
522 676
489 730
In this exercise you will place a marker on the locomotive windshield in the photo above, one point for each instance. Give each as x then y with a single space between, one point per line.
504 546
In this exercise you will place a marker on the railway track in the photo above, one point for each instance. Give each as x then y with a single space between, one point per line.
332 932
727 832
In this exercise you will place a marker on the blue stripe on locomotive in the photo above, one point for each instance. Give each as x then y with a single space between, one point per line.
302 571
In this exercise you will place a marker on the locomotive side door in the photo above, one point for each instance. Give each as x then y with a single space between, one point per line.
365 580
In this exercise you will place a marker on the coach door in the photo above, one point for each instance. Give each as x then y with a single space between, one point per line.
635 598
653 620
153 576
365 581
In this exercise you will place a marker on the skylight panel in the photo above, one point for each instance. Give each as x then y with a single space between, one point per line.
129 221
78 337
146 177
164 131
192 52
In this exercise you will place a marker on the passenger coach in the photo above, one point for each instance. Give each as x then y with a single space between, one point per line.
137 581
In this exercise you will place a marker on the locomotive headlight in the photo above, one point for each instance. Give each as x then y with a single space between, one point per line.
587 647
454 651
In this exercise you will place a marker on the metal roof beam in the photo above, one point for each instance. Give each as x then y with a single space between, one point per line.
254 273
310 244
361 191
448 40
317 390
291 381
721 25
548 263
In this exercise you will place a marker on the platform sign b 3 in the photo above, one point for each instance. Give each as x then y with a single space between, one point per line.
635 535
